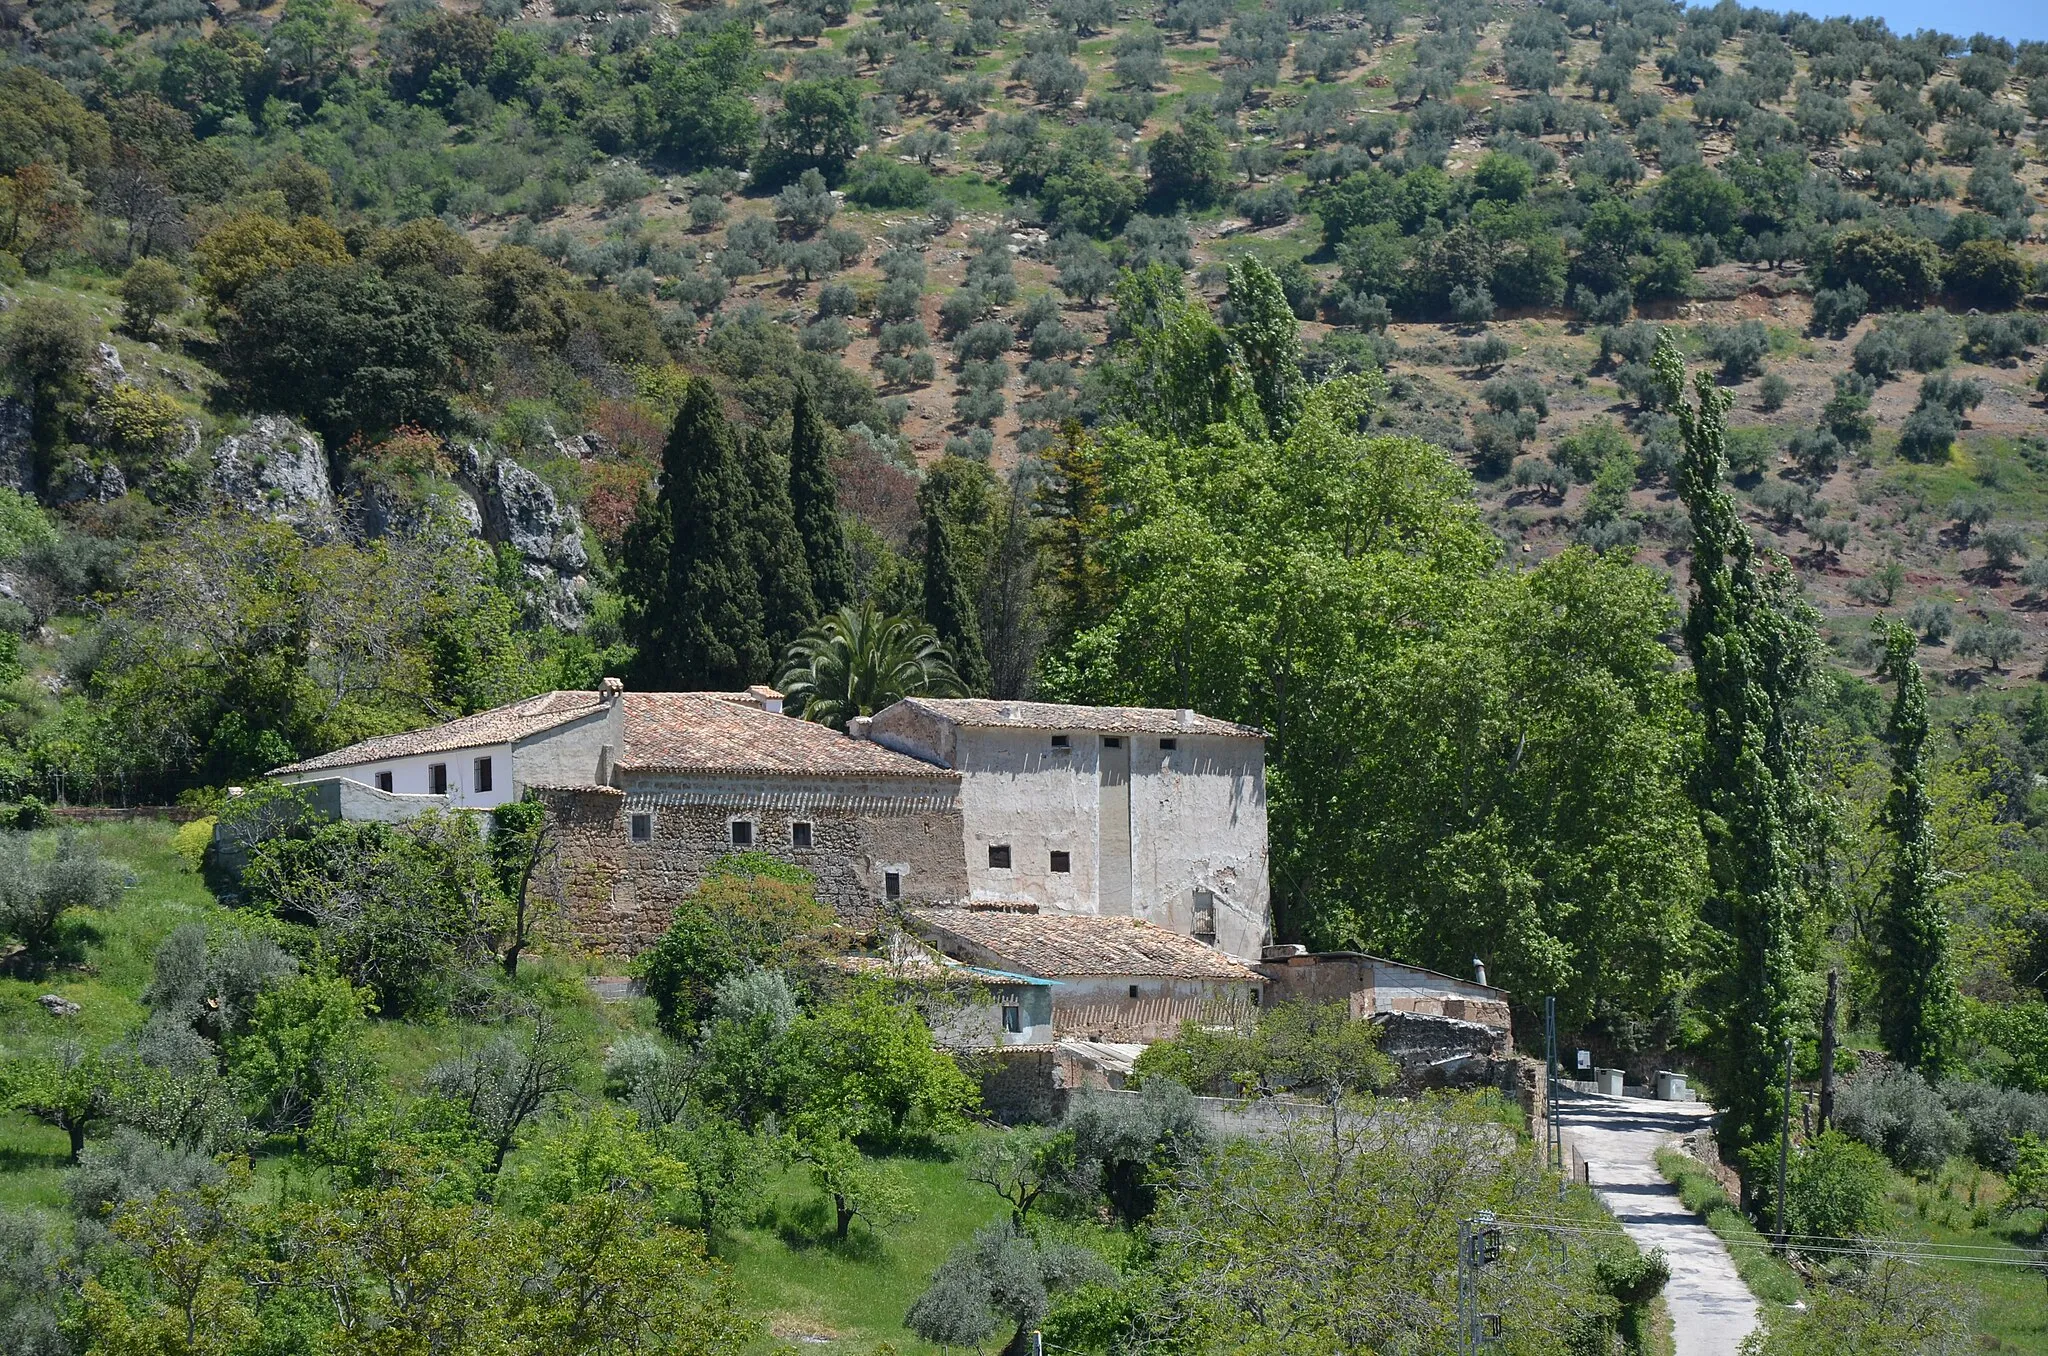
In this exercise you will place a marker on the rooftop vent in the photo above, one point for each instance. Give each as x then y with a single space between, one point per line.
1185 718
765 697
610 688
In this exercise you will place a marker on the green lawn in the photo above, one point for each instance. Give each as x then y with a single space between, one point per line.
853 1294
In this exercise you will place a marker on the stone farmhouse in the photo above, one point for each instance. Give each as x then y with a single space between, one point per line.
1151 816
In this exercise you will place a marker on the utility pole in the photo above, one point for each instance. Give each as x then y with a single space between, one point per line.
1480 1245
1784 1145
1828 1016
1553 1133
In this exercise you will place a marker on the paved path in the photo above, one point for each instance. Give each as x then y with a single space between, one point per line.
1711 1309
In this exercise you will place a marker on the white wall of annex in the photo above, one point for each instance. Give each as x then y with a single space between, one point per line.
409 775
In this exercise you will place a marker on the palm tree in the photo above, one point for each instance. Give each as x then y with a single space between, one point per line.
856 661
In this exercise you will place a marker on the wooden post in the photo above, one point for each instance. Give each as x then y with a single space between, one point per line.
1827 1049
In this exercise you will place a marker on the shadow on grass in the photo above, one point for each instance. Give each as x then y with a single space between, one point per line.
808 1226
14 1158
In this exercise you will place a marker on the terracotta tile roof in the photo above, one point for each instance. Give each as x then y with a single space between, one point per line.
984 712
709 732
1053 945
499 725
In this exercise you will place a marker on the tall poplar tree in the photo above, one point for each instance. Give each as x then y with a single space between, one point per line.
949 606
1753 652
781 570
1268 340
693 605
814 499
1916 987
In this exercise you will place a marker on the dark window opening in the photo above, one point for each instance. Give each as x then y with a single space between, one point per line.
1205 915
1254 996
742 833
1112 742
1059 741
892 884
1168 745
640 828
383 781
1062 861
999 855
437 778
800 834
1013 1018
1134 991
482 774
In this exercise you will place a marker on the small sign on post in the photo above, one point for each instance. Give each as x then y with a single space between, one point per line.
1585 1060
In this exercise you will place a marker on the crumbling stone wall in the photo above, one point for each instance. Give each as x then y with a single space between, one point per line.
619 895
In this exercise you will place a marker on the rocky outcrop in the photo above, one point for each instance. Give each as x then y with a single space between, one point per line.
518 509
274 469
17 445
79 481
382 508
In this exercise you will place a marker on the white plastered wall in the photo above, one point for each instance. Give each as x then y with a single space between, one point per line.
409 775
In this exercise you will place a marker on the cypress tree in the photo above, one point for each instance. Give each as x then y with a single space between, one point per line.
1916 989
949 606
784 578
1753 651
693 606
814 501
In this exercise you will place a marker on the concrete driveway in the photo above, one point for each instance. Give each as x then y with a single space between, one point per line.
1711 1309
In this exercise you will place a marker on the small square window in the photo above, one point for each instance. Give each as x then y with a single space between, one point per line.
892 884
1134 991
1112 742
481 778
1062 861
1253 994
1060 742
1168 745
640 828
437 778
383 781
1013 1018
742 833
999 855
800 834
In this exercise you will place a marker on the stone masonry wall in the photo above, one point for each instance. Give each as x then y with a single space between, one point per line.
620 895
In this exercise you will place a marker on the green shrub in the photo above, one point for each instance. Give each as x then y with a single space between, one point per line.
750 911
1901 1116
882 181
1834 1186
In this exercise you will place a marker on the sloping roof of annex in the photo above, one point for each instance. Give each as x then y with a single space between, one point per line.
727 733
1053 945
500 725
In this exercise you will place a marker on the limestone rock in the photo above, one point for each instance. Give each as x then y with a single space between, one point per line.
58 1006
110 361
274 468
17 445
80 481
379 508
519 510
